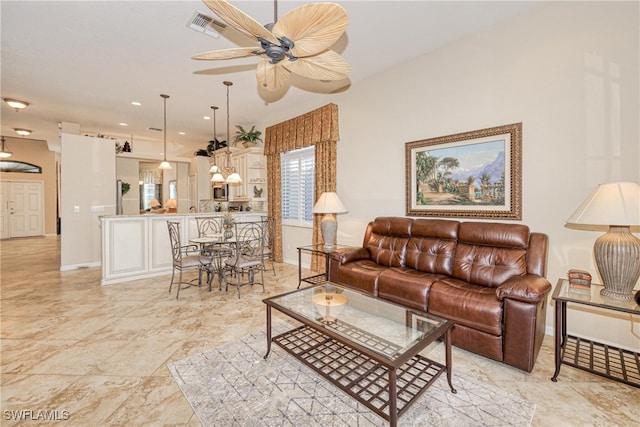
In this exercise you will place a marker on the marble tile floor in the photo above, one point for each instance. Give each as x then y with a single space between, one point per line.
98 355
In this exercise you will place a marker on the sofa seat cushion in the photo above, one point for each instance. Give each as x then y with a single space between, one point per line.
407 286
474 306
362 275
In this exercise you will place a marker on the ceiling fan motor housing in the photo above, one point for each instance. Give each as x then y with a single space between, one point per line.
277 53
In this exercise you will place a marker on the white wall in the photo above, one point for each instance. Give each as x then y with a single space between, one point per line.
567 70
127 169
88 191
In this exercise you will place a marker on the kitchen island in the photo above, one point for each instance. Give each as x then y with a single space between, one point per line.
137 246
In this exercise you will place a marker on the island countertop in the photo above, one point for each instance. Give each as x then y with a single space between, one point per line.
138 246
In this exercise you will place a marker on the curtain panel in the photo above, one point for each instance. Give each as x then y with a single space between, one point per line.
320 128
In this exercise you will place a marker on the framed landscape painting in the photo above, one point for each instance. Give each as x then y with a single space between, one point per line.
475 174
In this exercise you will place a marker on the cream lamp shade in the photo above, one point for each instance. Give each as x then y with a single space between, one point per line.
217 177
329 305
154 203
617 252
328 204
171 205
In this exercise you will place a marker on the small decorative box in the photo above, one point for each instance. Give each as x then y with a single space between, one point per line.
579 279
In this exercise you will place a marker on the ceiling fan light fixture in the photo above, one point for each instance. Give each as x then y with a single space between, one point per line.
16 103
22 132
4 151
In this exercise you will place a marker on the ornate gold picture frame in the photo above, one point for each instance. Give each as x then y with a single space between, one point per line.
475 174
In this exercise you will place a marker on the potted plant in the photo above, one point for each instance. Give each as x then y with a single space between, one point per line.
215 144
227 225
125 188
202 152
249 138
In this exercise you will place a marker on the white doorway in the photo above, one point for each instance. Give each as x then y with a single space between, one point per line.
21 209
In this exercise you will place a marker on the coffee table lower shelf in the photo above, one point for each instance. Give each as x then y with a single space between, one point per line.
361 377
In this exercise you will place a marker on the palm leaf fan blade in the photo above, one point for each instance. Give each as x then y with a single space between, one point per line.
240 20
326 66
271 76
313 27
239 52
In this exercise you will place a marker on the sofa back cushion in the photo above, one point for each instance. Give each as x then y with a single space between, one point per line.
432 245
488 254
386 239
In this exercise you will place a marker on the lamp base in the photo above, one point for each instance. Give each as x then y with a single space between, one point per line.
617 255
329 228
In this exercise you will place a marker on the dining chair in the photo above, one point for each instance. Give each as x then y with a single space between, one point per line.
210 226
268 223
185 257
247 258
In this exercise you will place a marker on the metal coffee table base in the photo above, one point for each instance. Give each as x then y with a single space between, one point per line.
364 379
386 390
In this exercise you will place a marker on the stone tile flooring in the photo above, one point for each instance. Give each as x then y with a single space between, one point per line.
98 354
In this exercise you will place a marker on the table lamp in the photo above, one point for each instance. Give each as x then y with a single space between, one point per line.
171 205
617 252
328 204
329 305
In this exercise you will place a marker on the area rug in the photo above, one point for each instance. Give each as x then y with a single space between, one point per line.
232 385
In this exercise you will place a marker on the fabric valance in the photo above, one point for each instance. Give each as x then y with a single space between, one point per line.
320 125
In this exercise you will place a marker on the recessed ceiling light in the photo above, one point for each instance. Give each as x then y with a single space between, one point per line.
207 118
23 132
182 133
16 103
136 103
123 124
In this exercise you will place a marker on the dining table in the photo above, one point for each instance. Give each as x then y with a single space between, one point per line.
216 250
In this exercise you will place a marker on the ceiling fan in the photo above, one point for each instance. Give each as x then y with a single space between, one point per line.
297 43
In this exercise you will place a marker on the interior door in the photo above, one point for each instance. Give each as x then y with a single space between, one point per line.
26 208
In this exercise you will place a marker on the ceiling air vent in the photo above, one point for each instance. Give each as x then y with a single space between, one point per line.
206 24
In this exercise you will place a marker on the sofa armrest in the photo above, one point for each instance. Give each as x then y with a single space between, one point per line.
529 288
345 255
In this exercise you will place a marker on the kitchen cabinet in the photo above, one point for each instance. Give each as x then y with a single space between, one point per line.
251 164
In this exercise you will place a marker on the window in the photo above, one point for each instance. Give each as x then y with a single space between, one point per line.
298 176
17 166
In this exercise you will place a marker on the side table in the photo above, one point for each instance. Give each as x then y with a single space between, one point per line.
316 279
601 359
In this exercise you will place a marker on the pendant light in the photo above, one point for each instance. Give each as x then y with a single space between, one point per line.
217 172
233 177
165 164
4 152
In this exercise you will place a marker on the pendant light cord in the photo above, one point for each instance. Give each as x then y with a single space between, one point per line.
227 84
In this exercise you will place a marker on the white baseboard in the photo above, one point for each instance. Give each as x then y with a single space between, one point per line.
78 266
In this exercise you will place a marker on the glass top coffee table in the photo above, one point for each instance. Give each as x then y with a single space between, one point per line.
366 346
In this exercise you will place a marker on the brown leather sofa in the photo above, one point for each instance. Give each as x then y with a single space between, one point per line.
487 277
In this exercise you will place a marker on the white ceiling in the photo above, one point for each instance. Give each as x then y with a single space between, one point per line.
84 62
